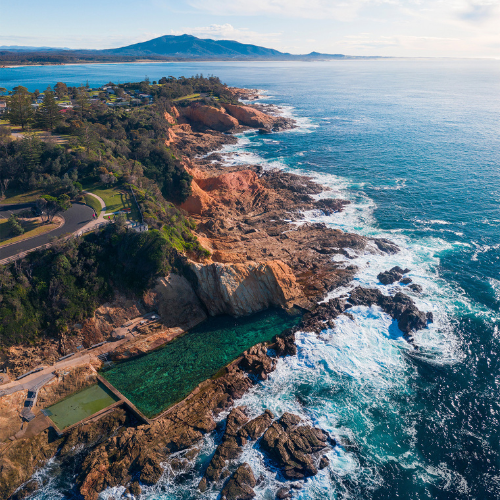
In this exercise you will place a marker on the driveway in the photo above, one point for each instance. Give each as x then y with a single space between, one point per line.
78 216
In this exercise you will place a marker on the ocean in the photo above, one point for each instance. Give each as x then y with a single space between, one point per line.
415 146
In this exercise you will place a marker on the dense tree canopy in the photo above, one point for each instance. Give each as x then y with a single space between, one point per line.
125 146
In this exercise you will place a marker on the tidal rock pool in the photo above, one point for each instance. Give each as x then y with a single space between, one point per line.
160 379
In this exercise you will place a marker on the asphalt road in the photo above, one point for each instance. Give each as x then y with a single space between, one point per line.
75 218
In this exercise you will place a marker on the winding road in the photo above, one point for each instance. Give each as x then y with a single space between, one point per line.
76 218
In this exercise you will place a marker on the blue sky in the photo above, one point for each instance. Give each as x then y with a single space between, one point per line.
416 28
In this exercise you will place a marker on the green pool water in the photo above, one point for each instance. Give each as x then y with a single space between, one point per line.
158 380
80 405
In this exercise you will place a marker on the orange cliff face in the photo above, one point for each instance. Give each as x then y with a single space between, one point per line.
250 117
225 190
214 118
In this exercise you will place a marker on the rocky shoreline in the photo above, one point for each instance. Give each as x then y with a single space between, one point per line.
262 254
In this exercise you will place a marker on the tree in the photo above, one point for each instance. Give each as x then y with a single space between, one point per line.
61 90
5 136
15 228
88 136
82 100
31 151
4 184
50 205
107 179
50 114
20 110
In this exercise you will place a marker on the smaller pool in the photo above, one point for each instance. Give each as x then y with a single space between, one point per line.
80 405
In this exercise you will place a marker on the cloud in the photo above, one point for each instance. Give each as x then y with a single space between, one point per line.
312 9
478 12
350 10
229 32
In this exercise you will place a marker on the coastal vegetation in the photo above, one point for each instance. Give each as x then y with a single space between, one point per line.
43 294
108 150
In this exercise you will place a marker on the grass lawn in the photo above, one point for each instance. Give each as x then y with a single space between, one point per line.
15 197
31 228
190 97
92 202
115 198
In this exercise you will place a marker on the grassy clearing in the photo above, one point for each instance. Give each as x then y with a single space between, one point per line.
116 199
190 97
31 227
92 202
15 197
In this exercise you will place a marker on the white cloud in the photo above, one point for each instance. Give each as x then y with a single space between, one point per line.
229 32
312 9
349 10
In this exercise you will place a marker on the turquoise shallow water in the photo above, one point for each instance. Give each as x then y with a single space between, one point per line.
415 145
156 381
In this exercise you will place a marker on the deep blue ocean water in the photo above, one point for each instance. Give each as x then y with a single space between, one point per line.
415 146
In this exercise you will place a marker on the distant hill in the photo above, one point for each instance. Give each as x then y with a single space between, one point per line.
192 47
25 48
163 48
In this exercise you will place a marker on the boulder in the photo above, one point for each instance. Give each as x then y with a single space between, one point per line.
255 428
240 485
292 446
331 205
228 449
323 315
393 275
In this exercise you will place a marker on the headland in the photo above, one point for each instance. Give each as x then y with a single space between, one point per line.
261 255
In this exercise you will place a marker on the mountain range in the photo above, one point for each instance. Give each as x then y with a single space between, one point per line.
185 47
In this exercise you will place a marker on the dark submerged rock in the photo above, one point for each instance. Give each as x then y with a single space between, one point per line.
386 246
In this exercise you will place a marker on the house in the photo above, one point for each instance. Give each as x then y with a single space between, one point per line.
3 107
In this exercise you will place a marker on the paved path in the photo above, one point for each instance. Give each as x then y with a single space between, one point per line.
78 219
80 358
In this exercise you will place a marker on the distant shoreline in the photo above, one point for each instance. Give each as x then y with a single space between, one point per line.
346 58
